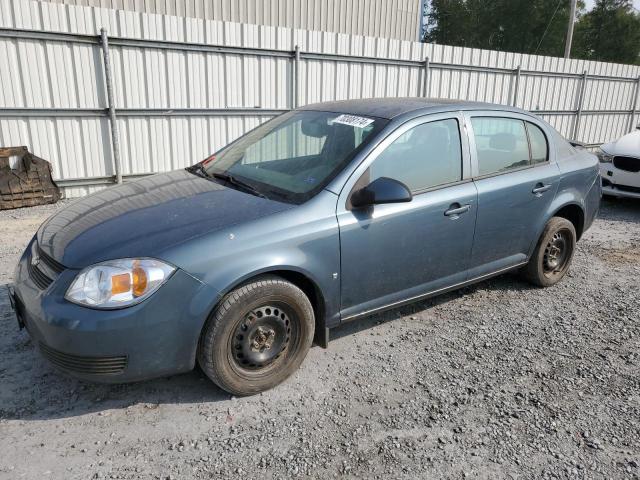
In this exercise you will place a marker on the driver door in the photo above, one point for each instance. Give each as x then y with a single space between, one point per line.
395 252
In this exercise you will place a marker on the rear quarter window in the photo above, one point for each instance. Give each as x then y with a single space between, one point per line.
538 142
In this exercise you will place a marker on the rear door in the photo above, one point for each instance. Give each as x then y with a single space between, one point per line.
394 252
517 177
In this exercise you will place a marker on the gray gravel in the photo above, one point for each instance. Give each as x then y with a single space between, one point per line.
496 380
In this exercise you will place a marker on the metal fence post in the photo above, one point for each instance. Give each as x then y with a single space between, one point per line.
296 77
517 72
576 123
115 139
425 86
634 108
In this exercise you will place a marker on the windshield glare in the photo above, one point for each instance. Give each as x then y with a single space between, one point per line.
297 154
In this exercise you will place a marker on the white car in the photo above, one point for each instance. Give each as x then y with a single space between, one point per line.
620 166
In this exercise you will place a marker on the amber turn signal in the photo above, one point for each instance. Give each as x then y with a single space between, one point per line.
120 283
139 281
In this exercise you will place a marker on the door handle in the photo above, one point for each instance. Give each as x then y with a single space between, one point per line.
456 210
540 188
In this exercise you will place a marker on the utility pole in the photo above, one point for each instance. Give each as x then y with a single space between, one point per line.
572 19
422 27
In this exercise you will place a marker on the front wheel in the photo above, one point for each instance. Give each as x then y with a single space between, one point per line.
257 337
553 254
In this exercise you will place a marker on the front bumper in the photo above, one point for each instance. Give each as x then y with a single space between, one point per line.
616 191
156 337
619 183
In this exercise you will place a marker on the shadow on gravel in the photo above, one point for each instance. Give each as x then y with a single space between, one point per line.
506 282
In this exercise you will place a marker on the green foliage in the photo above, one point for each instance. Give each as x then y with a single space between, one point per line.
611 31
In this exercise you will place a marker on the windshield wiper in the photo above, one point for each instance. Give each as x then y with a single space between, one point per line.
238 183
199 170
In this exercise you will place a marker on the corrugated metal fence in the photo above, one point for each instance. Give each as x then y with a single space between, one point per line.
377 18
184 87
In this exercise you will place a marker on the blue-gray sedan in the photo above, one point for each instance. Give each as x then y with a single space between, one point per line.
317 217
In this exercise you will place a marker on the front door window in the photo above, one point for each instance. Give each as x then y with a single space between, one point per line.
423 157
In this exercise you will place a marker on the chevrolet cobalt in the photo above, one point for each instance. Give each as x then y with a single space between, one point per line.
322 215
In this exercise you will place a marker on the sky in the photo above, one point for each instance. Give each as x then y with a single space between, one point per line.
589 3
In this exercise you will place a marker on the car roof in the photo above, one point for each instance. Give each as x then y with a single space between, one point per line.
390 108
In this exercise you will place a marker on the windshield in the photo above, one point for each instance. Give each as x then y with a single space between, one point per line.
293 156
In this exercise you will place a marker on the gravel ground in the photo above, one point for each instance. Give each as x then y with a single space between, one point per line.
496 380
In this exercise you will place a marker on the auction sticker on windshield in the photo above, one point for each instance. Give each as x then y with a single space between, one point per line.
353 120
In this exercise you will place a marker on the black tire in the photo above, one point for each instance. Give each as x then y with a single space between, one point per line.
257 336
553 254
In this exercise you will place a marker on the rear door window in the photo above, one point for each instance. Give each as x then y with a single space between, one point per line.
501 144
504 144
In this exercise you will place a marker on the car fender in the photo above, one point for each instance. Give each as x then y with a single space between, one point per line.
287 272
563 198
303 240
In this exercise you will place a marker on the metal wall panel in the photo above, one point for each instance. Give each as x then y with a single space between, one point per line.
178 102
377 18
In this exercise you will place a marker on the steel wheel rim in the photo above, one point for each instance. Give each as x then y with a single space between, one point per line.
557 253
262 338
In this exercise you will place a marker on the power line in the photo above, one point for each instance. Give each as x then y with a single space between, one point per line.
548 25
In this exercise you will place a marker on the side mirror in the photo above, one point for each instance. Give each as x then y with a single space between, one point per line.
381 190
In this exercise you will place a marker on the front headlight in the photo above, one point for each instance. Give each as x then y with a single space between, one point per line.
118 283
603 156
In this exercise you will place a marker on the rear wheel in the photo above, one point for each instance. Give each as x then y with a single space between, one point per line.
553 254
257 337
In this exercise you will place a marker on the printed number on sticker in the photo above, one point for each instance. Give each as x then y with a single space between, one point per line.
353 120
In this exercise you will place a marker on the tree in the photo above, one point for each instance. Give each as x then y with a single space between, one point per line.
525 26
609 32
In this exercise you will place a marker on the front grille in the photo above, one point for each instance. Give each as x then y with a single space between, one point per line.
45 269
87 365
50 262
38 276
628 164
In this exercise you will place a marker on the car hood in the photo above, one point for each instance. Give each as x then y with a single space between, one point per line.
146 217
627 146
